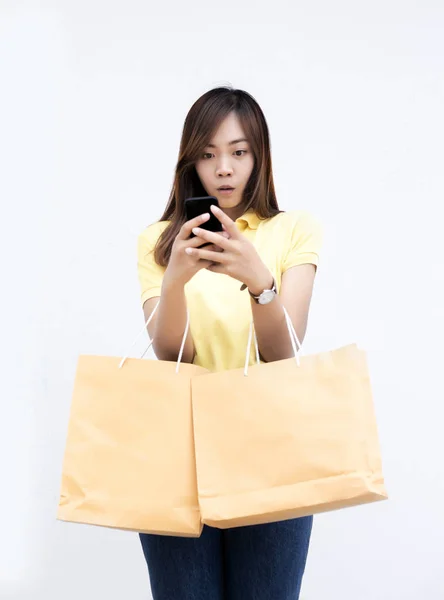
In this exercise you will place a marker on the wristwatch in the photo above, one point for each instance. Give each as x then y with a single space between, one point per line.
266 296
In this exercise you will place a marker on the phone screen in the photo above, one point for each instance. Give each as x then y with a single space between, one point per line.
198 206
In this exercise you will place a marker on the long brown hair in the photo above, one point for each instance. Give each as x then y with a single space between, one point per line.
203 119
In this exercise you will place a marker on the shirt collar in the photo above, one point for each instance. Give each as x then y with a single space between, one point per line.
249 219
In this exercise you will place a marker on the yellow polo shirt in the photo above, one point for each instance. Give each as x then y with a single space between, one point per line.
220 314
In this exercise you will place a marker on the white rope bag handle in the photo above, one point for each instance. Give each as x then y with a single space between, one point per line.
144 328
251 335
293 338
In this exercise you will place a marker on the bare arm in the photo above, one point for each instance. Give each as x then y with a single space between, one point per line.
167 327
241 261
269 319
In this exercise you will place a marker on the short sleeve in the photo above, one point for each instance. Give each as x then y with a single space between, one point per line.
149 272
304 241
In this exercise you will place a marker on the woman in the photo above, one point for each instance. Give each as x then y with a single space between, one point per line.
274 255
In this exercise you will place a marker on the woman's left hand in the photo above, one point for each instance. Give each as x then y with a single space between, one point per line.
239 258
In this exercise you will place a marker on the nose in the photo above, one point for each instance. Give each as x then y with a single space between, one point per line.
223 168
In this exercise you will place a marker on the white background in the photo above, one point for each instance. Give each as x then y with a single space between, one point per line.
93 95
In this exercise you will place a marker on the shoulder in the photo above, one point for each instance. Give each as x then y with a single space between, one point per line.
299 235
301 219
297 223
148 237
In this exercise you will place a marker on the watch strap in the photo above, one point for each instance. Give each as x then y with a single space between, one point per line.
256 298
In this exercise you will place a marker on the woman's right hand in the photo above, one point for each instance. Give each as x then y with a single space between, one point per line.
182 267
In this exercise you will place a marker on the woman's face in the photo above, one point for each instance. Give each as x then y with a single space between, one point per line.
225 163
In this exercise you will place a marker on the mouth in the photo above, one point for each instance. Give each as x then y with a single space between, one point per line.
225 189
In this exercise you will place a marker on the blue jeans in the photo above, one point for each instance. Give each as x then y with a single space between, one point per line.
258 562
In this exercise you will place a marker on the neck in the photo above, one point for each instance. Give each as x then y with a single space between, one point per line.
234 213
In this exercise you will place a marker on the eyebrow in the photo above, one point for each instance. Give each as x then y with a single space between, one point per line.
229 143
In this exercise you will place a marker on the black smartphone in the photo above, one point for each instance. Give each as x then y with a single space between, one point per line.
198 206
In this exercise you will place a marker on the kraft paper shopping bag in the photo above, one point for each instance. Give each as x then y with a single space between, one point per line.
286 439
129 461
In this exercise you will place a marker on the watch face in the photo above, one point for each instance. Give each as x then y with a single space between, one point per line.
266 297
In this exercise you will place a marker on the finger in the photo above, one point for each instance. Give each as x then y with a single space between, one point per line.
207 243
197 242
194 242
224 234
204 264
228 224
185 230
216 267
217 257
214 248
212 237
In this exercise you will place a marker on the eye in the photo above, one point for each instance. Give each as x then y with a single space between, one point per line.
209 155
